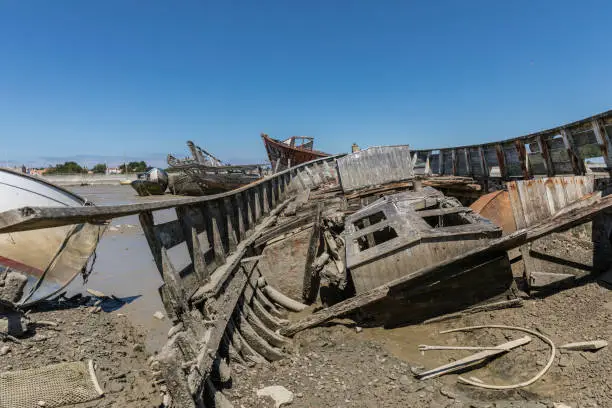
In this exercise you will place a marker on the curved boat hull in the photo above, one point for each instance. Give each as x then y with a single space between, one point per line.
60 251
287 156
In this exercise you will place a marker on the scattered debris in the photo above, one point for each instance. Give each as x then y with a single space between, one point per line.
58 385
96 293
279 394
592 345
159 315
519 385
461 364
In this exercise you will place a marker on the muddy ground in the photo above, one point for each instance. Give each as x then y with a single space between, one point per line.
108 338
341 366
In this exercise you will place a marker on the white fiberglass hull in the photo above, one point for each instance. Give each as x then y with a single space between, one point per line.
61 251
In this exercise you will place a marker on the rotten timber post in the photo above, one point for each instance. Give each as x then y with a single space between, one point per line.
468 162
574 156
522 154
214 222
501 161
148 225
603 139
544 151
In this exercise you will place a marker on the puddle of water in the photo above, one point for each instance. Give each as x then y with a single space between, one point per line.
124 265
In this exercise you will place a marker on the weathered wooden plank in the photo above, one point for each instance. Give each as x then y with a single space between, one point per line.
229 226
522 155
483 163
603 139
221 274
501 160
29 218
239 204
148 226
543 146
215 232
576 161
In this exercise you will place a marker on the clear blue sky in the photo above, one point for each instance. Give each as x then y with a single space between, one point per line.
114 78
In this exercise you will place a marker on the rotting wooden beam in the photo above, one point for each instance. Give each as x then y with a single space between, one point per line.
577 163
522 154
29 218
501 161
229 225
545 152
217 240
468 161
572 216
603 139
483 163
148 226
233 260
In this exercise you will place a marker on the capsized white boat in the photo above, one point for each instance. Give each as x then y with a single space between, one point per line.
50 258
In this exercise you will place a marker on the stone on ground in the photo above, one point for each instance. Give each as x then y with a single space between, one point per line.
278 393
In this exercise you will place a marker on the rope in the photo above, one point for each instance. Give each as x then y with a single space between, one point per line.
519 385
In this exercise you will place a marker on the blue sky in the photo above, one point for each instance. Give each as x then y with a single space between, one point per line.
102 80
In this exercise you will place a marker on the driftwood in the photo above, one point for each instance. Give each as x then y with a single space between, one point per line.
592 345
442 270
477 309
512 386
474 358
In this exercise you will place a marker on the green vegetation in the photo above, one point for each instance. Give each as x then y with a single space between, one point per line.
99 168
69 167
136 167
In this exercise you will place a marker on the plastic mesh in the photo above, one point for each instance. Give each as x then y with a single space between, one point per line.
57 385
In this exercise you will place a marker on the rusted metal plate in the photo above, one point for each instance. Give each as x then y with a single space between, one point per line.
496 208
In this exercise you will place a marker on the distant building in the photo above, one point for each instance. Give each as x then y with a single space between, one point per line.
114 170
37 172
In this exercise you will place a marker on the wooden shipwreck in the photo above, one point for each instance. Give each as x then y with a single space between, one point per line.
403 232
291 152
219 297
204 174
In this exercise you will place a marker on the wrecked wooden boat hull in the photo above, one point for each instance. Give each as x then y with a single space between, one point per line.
204 174
401 233
58 253
199 181
152 182
285 154
223 312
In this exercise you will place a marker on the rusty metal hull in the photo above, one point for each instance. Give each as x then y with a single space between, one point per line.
496 208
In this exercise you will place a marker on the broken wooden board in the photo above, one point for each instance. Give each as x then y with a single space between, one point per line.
557 258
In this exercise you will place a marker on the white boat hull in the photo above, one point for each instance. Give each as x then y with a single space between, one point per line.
60 251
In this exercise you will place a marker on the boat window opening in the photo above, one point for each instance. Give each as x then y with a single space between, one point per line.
446 220
370 220
376 238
